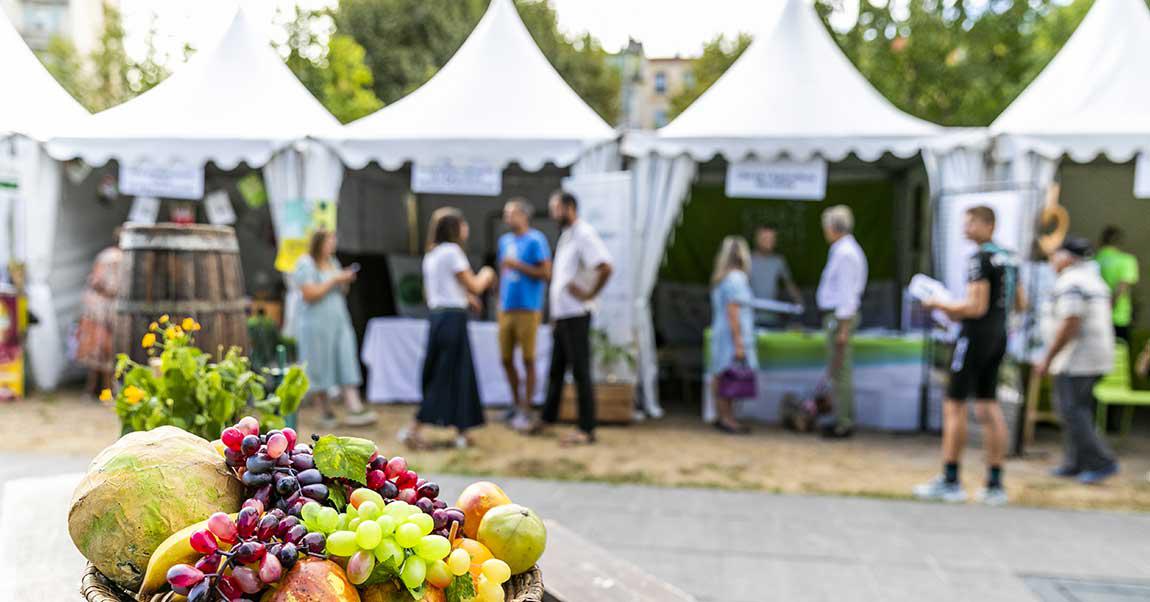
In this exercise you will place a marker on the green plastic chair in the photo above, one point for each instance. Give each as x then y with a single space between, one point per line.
1115 390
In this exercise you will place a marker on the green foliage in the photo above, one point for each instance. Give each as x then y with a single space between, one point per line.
343 457
107 76
330 65
182 387
461 589
959 63
718 56
407 41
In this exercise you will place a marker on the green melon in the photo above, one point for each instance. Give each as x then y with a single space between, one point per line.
140 490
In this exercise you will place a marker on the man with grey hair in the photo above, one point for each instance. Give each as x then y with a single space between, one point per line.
839 297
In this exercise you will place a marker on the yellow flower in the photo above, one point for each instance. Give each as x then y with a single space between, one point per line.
188 324
106 395
134 394
149 340
164 319
153 327
171 332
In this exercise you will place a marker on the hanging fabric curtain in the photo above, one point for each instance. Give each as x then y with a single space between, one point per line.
35 211
662 185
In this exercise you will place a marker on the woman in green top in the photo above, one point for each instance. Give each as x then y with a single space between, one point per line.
327 346
1120 271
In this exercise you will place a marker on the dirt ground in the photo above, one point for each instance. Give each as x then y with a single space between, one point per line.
678 450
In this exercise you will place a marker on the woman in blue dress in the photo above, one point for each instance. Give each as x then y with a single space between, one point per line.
732 324
327 346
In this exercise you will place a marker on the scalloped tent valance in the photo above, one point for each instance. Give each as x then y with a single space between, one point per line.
793 93
236 103
34 105
497 100
1091 99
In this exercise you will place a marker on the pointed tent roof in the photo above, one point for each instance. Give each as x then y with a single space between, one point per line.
1092 97
497 99
35 104
792 92
237 102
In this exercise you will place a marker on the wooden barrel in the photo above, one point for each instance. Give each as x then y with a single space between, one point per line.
182 271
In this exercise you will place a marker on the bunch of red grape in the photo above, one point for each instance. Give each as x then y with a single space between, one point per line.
394 481
263 547
277 472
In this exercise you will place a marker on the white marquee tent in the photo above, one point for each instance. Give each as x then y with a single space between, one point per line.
1090 101
793 94
33 107
235 103
498 100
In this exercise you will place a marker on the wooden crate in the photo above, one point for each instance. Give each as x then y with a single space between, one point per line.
614 403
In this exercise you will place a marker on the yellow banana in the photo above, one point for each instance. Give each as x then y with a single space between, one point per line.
176 549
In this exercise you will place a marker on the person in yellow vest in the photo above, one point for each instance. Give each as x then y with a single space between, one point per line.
1120 271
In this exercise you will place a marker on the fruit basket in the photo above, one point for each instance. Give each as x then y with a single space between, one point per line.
527 587
165 514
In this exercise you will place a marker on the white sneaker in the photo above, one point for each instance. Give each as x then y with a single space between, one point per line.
521 422
993 496
938 490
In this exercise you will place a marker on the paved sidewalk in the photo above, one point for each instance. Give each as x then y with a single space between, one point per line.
755 547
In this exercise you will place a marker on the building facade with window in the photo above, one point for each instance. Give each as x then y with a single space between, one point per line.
40 21
649 84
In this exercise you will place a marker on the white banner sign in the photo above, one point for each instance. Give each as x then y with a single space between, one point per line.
476 178
605 202
782 179
1011 231
170 181
145 210
218 206
1142 176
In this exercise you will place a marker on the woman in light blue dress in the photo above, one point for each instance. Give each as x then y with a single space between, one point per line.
732 324
327 345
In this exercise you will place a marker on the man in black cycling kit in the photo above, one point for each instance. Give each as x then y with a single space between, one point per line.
991 292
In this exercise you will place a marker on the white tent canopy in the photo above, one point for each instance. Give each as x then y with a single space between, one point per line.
236 103
792 94
498 100
1091 99
34 104
32 108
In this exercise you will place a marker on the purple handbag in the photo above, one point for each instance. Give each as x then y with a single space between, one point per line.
737 382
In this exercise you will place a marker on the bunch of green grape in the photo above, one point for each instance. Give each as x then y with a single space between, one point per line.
396 535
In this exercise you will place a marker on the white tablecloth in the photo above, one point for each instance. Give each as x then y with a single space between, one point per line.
393 351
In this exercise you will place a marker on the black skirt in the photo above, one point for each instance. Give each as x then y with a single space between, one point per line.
450 389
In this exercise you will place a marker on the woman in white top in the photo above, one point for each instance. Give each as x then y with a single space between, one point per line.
450 388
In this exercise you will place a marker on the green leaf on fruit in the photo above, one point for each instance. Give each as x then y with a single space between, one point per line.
335 497
461 589
419 592
383 573
343 457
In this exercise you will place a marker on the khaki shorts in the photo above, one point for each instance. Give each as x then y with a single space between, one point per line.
518 328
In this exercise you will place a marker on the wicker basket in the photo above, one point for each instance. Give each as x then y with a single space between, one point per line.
527 587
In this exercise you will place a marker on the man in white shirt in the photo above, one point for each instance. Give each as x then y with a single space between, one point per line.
839 297
579 271
1077 324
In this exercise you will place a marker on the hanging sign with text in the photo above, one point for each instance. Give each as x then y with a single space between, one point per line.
168 181
781 179
446 177
1142 176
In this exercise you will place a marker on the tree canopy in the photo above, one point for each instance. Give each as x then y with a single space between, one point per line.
407 41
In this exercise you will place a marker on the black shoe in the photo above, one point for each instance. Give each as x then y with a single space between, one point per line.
838 432
730 430
1065 472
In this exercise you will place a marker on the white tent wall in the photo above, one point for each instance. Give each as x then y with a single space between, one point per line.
84 226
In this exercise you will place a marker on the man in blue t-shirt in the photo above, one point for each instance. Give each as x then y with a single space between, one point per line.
524 268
